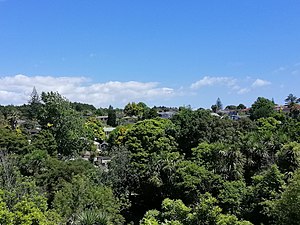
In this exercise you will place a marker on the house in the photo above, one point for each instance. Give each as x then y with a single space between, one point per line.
86 156
103 119
166 115
102 162
282 108
215 114
101 146
108 130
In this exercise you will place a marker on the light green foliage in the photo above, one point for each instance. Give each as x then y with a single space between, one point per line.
192 179
269 124
23 205
231 220
81 194
287 208
94 129
205 212
65 124
174 210
267 186
117 136
133 109
147 138
92 217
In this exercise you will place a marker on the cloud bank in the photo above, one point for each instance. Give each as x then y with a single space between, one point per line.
236 85
17 89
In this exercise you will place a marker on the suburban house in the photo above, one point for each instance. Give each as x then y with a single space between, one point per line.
103 119
108 130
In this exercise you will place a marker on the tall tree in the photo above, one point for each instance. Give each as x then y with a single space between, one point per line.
219 104
291 100
65 124
34 97
34 104
112 117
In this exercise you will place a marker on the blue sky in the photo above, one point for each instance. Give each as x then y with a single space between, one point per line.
161 52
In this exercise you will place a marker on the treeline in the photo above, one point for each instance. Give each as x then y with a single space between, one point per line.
194 168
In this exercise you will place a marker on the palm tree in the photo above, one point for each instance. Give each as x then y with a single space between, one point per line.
92 217
291 100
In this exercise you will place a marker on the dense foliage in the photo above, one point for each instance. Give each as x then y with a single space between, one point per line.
196 168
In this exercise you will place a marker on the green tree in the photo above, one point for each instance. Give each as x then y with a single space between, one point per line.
92 217
222 159
34 105
45 141
34 163
94 129
82 194
267 186
214 108
191 180
232 195
291 100
175 212
241 106
231 107
288 158
219 104
112 117
14 141
65 124
262 107
287 208
57 172
132 109
21 201
150 113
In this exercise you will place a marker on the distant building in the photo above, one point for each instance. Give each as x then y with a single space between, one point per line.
108 130
166 115
103 119
282 108
102 162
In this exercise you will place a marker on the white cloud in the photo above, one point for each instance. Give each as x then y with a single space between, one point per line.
260 83
17 89
280 69
244 91
211 81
